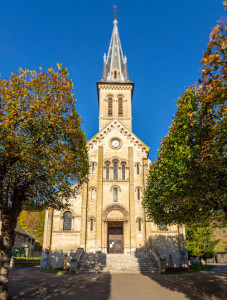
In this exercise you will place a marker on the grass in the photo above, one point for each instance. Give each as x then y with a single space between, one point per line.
198 268
191 269
26 258
55 271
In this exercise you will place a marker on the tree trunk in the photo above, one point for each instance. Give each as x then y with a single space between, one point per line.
7 239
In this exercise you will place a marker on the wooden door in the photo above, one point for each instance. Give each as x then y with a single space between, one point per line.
115 240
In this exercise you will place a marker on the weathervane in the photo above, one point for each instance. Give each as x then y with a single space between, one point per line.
115 11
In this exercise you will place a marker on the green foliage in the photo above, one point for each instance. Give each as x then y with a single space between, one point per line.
55 271
200 242
198 268
187 182
26 258
33 222
221 235
43 149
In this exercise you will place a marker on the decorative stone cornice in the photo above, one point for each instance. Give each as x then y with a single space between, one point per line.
115 86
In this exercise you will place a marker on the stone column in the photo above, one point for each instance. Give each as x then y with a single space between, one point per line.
126 237
147 225
99 201
132 200
48 229
83 227
104 239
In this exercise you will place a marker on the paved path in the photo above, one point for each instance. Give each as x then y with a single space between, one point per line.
32 284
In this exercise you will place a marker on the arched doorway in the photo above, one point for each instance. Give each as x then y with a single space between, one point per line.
115 217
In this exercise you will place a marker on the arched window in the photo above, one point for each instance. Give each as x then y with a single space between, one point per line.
137 169
107 171
115 194
115 74
91 224
110 107
115 171
93 168
138 194
92 194
123 172
139 224
67 221
120 107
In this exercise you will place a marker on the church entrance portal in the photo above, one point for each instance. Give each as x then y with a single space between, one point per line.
115 237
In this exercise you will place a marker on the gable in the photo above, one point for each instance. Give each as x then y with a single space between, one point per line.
115 124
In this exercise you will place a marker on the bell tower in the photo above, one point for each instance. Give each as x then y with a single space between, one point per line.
115 90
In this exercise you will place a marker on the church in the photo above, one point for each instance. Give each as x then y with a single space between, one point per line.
107 215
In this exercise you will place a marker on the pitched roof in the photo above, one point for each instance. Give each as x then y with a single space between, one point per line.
20 230
115 59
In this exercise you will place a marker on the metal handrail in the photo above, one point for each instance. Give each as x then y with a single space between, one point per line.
79 256
157 257
76 261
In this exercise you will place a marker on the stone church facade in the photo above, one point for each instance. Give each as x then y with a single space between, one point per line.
107 214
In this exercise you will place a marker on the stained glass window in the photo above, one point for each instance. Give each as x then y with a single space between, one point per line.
67 221
91 224
139 224
92 194
123 172
120 107
107 172
110 107
115 195
115 170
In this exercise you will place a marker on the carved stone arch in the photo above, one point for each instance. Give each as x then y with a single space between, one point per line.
109 95
124 162
92 187
118 207
120 95
138 187
138 219
115 158
107 161
66 210
92 217
115 186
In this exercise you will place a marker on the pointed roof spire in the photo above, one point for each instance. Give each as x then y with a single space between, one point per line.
115 64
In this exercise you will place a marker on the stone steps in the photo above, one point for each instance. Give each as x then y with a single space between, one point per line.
115 263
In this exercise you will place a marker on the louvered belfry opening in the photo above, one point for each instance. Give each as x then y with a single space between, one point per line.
110 107
120 107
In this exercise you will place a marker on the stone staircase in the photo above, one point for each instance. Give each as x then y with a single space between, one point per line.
116 263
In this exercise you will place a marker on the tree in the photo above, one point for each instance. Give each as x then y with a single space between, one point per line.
42 149
187 182
200 242
33 222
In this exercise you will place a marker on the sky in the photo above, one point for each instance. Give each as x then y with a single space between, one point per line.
163 40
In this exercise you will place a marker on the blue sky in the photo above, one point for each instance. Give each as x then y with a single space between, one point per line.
163 40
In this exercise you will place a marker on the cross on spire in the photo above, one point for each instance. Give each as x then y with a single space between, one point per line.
115 11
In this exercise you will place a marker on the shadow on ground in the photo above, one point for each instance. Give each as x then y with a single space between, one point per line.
33 284
195 286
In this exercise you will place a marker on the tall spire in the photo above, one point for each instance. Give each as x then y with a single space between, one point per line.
115 64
